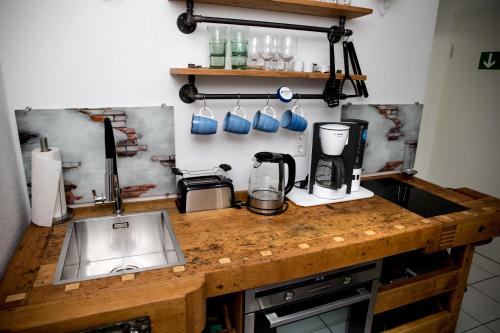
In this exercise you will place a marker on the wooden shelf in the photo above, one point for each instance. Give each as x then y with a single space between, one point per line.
437 322
415 289
304 7
257 73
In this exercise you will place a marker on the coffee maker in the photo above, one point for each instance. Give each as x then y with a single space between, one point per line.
336 158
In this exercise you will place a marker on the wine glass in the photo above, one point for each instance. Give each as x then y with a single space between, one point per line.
287 48
275 66
253 49
267 48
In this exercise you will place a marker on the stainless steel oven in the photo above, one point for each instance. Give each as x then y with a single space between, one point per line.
340 301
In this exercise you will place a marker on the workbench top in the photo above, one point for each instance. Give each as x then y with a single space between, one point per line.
226 251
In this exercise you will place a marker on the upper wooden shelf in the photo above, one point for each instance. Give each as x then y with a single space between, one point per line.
304 7
257 73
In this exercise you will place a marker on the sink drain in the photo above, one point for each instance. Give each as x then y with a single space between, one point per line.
124 268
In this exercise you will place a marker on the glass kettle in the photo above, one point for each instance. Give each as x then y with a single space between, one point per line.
267 188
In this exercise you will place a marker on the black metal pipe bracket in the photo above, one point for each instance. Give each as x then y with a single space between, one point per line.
189 91
189 94
187 23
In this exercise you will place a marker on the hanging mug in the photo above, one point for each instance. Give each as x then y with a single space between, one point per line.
294 119
203 123
266 122
235 123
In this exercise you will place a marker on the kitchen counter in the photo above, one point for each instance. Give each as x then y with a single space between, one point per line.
227 251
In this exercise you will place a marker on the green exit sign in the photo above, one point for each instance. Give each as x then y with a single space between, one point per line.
489 60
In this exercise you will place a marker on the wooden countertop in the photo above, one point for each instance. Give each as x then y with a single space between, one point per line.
261 250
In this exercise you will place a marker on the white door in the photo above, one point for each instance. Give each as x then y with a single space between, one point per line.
466 147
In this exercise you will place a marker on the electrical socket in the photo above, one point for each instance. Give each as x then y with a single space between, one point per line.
300 144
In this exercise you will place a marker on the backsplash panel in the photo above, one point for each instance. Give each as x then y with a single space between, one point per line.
144 139
392 134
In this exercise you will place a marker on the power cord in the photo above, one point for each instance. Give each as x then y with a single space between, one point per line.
302 183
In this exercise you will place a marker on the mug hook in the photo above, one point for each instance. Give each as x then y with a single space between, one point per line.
268 98
297 101
204 102
238 102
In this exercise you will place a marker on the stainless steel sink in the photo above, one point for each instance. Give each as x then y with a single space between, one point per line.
114 245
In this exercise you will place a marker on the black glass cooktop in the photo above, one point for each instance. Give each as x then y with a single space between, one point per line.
414 199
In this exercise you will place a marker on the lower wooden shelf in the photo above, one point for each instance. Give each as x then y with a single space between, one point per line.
416 289
435 323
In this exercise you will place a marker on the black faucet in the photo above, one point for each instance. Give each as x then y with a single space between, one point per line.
112 185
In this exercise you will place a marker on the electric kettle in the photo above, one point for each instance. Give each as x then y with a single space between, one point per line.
266 188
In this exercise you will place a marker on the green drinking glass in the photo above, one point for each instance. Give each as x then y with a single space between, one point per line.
239 53
217 54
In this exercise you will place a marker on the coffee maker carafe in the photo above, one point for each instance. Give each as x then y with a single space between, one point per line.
267 188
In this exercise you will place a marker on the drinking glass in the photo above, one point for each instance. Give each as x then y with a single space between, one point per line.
217 39
267 48
239 46
253 49
275 63
287 48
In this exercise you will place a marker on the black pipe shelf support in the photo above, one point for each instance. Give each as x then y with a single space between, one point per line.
189 94
187 23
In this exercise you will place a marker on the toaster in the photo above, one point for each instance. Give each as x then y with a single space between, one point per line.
204 193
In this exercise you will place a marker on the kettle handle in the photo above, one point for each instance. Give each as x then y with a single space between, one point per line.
290 161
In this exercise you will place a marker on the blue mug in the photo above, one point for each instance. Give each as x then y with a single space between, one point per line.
294 119
203 124
235 123
265 122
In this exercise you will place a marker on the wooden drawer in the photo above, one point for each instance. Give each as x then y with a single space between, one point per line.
415 289
434 323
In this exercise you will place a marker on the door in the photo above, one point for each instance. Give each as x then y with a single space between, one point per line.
466 147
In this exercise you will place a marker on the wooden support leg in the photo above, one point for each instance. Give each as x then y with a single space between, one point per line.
462 257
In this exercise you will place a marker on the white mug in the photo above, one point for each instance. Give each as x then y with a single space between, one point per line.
308 66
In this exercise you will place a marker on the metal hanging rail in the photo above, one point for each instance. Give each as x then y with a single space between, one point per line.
189 94
187 22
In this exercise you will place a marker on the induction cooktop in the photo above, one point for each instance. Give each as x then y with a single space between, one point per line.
414 199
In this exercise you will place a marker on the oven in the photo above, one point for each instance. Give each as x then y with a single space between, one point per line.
340 301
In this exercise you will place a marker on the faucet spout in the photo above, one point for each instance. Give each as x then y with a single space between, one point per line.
112 185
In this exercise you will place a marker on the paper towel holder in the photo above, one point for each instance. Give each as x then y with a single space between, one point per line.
44 147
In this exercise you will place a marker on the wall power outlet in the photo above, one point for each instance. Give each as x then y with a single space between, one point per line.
300 144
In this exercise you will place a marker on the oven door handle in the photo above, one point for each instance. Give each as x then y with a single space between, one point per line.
275 320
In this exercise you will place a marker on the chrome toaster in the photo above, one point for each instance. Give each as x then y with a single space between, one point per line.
204 191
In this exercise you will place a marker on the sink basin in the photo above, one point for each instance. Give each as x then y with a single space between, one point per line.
114 245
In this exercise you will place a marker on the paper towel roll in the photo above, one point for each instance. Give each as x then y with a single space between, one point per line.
47 186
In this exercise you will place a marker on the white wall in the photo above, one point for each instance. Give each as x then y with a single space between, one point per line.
436 81
465 148
72 53
13 210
